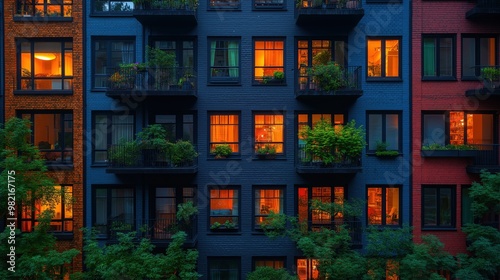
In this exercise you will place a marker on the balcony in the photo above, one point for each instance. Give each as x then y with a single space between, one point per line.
485 10
486 157
310 88
353 226
488 84
306 163
123 160
340 13
173 13
152 82
158 231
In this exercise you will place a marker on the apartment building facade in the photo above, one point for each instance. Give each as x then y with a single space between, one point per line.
42 82
454 105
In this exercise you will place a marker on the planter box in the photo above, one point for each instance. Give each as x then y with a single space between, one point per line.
448 153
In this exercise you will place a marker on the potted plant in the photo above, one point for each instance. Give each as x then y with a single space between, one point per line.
279 75
124 154
381 151
153 144
329 77
182 153
267 151
164 64
222 151
491 77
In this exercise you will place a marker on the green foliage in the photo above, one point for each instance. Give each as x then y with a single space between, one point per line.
182 153
329 76
222 151
36 254
485 195
439 147
274 225
185 211
381 150
269 273
160 59
279 75
131 260
389 242
153 137
267 149
334 144
490 73
124 154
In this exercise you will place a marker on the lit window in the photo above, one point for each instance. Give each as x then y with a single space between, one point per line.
45 8
438 206
269 130
383 58
224 129
224 209
269 56
275 263
383 205
62 212
46 66
307 269
318 218
267 201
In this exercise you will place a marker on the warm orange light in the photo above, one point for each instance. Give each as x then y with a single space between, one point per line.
45 56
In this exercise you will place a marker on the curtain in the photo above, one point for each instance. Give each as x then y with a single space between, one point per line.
122 128
232 58
127 52
213 45
429 57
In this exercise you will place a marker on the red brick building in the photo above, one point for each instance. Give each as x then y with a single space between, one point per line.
43 44
452 41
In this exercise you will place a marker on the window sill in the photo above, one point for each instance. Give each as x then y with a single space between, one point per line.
439 228
383 79
224 232
439 79
268 157
60 166
233 157
43 92
111 14
223 83
226 9
27 18
99 165
269 8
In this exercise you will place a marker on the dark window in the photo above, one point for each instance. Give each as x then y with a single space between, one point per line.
269 61
224 60
316 218
477 52
384 128
467 215
384 205
178 126
438 206
108 54
112 6
267 200
274 262
184 52
224 4
383 58
224 129
113 207
224 268
166 202
438 56
458 128
45 8
269 129
53 135
62 212
224 208
45 65
109 129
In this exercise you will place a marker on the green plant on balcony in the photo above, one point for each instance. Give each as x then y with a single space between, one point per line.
328 77
448 147
185 211
164 64
381 150
124 154
182 153
491 76
153 137
222 151
332 145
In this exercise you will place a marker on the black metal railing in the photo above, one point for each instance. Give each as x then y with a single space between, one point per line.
340 161
154 229
487 4
351 79
354 227
128 156
176 5
152 79
329 4
486 155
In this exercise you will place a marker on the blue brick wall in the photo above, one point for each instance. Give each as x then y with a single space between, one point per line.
379 20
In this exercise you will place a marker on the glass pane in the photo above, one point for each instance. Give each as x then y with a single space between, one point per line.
487 51
392 206
374 58
467 215
392 131
392 58
457 128
468 57
429 57
446 57
430 206
434 131
445 206
374 206
479 129
374 130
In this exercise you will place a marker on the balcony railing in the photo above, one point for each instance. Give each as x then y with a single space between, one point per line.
176 81
351 84
484 10
176 12
318 12
354 227
308 163
485 157
489 81
123 160
157 230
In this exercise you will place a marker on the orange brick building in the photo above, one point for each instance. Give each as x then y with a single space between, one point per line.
43 44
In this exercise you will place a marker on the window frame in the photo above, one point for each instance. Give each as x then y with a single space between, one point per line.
264 80
108 68
33 213
224 80
227 5
234 260
226 113
62 151
109 130
109 205
30 80
453 208
274 259
437 42
179 123
383 214
383 67
257 144
109 12
477 53
384 129
310 197
282 192
237 228
63 13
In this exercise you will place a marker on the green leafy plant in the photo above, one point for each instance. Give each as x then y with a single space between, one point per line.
182 153
124 154
185 211
266 272
490 74
229 224
449 147
279 75
329 76
222 150
153 137
381 150
267 149
215 225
